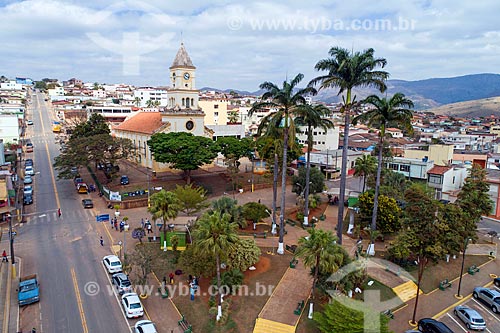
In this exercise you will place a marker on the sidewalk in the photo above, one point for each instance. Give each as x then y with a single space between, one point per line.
9 310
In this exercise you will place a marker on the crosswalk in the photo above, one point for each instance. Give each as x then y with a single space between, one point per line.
47 217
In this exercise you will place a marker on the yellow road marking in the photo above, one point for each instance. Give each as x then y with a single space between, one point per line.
53 177
79 301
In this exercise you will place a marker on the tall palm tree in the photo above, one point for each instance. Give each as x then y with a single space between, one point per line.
137 101
320 252
365 165
312 117
385 112
347 70
165 206
150 103
215 234
286 100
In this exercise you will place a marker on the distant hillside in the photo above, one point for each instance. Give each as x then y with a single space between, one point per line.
474 109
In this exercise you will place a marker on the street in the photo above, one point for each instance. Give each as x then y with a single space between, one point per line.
64 251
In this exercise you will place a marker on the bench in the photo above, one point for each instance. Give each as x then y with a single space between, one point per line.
473 270
388 313
293 263
322 217
444 284
300 306
291 248
186 327
388 269
260 234
291 222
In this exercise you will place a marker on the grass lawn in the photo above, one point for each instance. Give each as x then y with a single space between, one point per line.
386 293
244 309
434 274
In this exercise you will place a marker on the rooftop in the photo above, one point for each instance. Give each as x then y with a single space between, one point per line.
182 59
142 122
439 170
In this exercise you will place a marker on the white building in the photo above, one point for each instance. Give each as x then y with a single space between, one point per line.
11 85
146 94
412 168
10 130
322 139
446 180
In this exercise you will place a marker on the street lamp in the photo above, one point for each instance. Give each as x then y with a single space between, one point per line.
467 240
120 243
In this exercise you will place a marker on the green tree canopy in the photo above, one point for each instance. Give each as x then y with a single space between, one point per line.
230 206
245 254
316 178
191 199
254 211
388 212
95 125
184 151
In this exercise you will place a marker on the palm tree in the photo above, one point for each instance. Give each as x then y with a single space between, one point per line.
150 103
347 70
215 234
385 112
286 100
365 165
320 252
137 101
312 117
165 206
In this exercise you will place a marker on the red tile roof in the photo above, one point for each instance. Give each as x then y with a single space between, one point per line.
439 170
142 122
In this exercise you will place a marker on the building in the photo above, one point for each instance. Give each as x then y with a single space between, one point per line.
412 168
155 95
10 128
112 113
216 110
447 181
182 114
493 179
322 139
440 154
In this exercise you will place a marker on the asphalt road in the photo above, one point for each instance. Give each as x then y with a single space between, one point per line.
64 252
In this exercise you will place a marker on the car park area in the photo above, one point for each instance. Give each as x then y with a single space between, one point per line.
457 325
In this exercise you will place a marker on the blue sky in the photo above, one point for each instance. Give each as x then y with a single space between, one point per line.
240 44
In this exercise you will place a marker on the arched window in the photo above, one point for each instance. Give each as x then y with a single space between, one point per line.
183 102
192 101
187 102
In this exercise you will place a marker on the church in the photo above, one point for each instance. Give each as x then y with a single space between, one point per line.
182 114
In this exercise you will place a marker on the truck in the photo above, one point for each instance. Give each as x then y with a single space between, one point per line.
29 290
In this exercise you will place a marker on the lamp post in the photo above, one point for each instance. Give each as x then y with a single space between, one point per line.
467 240
120 243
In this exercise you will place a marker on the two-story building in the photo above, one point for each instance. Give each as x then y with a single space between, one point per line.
447 181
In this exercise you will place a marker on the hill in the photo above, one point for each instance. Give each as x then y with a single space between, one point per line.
473 109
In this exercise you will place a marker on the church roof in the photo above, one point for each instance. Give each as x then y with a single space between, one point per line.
142 122
182 59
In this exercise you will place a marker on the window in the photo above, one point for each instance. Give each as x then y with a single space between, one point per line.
404 168
216 106
393 166
435 179
216 114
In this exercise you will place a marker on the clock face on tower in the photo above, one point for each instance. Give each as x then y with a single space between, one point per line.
186 76
189 125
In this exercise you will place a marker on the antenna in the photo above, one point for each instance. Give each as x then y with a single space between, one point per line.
182 41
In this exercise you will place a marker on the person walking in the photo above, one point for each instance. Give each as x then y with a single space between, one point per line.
142 223
149 227
4 256
101 241
59 212
116 225
122 225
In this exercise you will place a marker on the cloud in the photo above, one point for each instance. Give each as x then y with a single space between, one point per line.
237 44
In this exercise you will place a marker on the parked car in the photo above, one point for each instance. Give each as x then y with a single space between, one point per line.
496 281
145 326
29 171
27 199
112 264
122 283
29 147
28 162
124 180
429 325
471 318
74 170
28 179
78 180
87 203
29 122
489 296
28 189
132 305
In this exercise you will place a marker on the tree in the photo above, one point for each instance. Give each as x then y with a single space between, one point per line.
316 180
312 117
230 206
319 250
191 199
142 258
233 149
95 125
42 85
165 206
385 112
388 212
366 165
347 70
182 150
347 315
422 235
232 117
137 101
245 254
286 100
215 234
254 211
197 263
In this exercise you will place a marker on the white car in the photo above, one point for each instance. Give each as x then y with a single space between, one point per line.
29 171
144 326
28 179
28 190
112 264
132 305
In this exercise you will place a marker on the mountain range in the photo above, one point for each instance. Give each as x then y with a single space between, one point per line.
426 94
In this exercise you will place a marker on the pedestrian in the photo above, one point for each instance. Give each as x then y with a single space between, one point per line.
33 330
116 225
4 257
142 223
101 241
59 212
171 276
149 228
164 280
122 225
190 278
